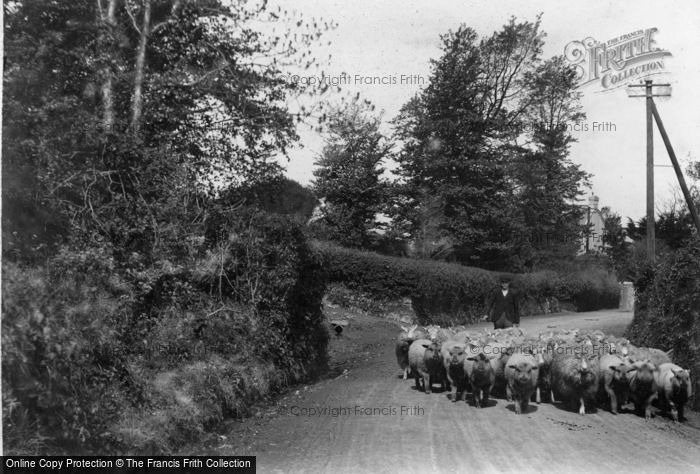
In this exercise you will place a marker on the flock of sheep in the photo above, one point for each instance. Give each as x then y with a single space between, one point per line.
577 367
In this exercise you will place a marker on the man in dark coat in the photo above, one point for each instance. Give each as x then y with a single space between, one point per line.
502 307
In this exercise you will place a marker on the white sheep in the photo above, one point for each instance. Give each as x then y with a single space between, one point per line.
481 372
613 381
643 390
404 340
453 355
574 377
674 389
522 372
655 356
426 364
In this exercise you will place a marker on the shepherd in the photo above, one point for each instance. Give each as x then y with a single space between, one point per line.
502 307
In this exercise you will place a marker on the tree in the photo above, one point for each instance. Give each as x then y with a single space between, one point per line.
124 116
614 244
454 134
348 174
279 195
547 183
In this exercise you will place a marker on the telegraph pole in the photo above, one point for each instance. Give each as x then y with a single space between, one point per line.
651 229
653 114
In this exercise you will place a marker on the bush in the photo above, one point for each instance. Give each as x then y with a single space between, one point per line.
667 308
453 293
64 370
267 263
591 289
141 359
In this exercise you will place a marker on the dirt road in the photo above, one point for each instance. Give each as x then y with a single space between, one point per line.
366 419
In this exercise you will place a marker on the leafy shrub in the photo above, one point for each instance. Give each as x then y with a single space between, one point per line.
667 308
63 365
453 293
142 359
540 291
227 330
591 289
267 263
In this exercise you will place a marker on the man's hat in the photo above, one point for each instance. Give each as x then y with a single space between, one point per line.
505 279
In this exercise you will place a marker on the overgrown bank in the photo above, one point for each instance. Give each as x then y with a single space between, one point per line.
100 358
667 309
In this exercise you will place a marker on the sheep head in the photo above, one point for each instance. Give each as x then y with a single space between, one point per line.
522 372
643 371
681 381
620 372
481 362
456 354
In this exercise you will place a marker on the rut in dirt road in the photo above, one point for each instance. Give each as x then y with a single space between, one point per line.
370 420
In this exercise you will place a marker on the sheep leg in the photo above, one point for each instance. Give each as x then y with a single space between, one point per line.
582 408
518 409
538 398
509 394
674 410
647 406
681 412
486 393
524 404
428 382
551 396
459 390
405 373
624 399
477 396
454 392
613 399
418 381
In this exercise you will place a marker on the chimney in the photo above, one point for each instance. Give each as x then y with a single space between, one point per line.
593 202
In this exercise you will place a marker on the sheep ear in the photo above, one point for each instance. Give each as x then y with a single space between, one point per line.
512 366
471 358
615 368
425 345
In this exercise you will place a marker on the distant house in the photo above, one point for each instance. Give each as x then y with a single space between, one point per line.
594 220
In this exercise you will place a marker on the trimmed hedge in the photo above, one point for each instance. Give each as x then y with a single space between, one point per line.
443 291
667 309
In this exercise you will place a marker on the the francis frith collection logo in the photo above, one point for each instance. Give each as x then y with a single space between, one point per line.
618 61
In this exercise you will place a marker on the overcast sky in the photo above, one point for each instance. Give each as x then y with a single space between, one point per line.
391 38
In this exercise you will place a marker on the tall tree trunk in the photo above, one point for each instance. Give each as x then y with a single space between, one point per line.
107 85
137 103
